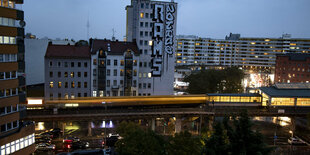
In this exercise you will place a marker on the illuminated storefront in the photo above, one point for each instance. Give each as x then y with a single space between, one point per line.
234 98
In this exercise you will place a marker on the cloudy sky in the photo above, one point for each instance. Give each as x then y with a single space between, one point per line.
204 18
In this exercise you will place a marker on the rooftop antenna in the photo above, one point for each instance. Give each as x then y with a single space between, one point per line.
87 25
113 37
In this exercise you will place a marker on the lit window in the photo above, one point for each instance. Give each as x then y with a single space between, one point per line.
72 84
141 15
72 74
59 84
51 84
144 75
149 75
150 42
94 93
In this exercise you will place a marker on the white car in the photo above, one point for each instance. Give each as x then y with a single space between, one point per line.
45 147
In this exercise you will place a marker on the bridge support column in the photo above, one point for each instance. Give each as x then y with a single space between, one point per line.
153 124
210 123
89 129
178 124
293 125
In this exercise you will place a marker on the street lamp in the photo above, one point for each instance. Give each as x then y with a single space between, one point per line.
291 132
105 127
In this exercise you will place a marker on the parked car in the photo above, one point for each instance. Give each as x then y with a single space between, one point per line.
79 145
296 141
47 134
45 147
40 139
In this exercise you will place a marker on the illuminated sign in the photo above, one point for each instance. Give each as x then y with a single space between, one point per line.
163 35
35 101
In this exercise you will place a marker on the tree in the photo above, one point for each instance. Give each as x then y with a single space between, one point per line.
218 143
244 140
184 143
213 81
236 139
137 141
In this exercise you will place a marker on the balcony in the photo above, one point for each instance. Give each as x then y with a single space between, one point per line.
115 87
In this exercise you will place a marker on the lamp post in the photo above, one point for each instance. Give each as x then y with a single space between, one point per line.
105 127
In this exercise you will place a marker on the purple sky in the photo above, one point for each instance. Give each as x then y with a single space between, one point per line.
204 18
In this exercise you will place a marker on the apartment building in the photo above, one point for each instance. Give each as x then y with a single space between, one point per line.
67 72
256 54
16 135
152 25
292 68
114 68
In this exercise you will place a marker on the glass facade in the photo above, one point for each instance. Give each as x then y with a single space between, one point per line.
17 145
235 99
282 101
303 101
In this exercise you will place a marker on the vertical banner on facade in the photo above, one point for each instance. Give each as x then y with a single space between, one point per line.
163 35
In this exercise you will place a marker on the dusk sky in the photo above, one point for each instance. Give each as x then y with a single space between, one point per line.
204 18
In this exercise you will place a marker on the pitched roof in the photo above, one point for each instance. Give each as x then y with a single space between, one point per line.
67 51
116 47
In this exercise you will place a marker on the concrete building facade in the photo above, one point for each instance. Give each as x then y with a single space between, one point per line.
114 68
67 71
16 135
257 54
152 25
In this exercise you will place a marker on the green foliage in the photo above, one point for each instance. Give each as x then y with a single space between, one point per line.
215 81
237 139
137 141
184 144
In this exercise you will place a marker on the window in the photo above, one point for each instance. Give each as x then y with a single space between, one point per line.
149 85
7 75
79 84
142 5
85 94
141 43
66 74
114 82
134 62
79 94
72 96
108 62
59 95
140 85
85 84
94 93
59 64
122 62
94 72
144 75
51 74
95 83
149 75
72 74
141 24
51 84
108 72
79 64
140 51
144 85
108 83
59 74
85 74
134 93
115 62
115 72
141 15
85 64
140 64
59 84
72 84
146 24
145 51
79 74
51 96
66 84
146 15
66 64
66 96
134 83
51 63
141 33
121 82
145 64
72 64
140 75
121 72
134 72
145 42
95 62
146 5
146 33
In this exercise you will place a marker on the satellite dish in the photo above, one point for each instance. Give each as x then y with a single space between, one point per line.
22 23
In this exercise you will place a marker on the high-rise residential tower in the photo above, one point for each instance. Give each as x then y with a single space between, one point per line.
16 136
152 24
